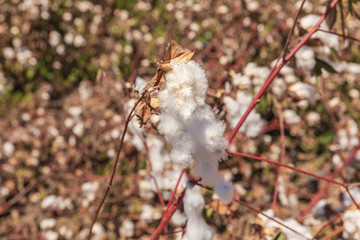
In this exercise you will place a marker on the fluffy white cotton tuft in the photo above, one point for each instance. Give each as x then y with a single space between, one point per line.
196 227
305 58
190 126
351 221
236 108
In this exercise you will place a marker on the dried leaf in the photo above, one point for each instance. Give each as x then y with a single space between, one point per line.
331 17
154 102
173 52
184 57
144 110
220 207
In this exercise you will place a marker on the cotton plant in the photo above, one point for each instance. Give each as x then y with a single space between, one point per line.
190 126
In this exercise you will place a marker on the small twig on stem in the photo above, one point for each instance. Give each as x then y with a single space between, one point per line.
292 30
329 180
267 216
326 225
340 35
130 116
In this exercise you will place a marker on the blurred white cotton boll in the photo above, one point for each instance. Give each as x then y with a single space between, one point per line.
196 227
305 58
47 223
302 91
147 213
291 223
291 117
312 118
329 40
127 229
140 84
351 221
236 108
178 218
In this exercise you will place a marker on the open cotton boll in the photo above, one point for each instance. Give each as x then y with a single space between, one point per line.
351 221
305 58
140 84
330 40
189 124
235 109
196 227
302 91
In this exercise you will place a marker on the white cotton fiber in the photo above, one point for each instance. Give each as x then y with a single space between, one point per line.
351 221
305 59
196 227
190 126
236 108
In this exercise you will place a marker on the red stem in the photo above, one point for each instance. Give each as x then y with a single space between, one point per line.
278 68
167 216
289 167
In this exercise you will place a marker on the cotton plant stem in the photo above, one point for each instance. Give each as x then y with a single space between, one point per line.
278 68
115 165
329 180
167 215
174 192
326 225
333 233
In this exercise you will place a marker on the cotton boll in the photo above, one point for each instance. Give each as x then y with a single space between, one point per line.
188 124
278 87
235 109
351 221
127 229
241 80
290 117
302 91
178 218
312 118
140 84
329 40
147 213
305 58
196 227
157 156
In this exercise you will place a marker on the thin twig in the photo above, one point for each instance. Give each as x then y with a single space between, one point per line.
267 216
329 180
340 35
115 164
292 30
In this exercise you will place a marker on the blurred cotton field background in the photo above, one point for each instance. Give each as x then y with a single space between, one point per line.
69 75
